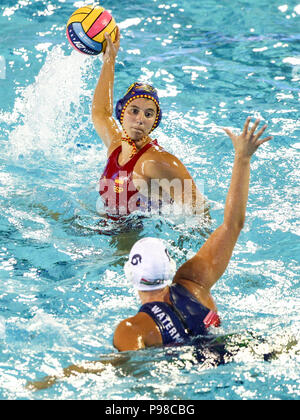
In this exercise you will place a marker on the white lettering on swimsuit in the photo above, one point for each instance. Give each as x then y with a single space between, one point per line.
167 323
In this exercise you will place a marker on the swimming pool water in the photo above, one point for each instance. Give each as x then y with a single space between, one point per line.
62 288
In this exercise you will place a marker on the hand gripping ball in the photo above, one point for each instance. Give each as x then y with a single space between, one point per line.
86 28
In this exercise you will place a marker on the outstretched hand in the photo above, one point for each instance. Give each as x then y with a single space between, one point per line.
112 48
248 142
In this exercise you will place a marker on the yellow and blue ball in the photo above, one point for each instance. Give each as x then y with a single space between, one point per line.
86 28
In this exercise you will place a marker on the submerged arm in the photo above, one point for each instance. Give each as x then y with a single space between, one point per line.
91 367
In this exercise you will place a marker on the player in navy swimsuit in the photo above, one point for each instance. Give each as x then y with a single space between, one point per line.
184 319
177 306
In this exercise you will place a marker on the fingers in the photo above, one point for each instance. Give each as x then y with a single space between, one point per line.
254 127
259 134
108 38
228 132
261 131
250 134
264 140
246 126
118 35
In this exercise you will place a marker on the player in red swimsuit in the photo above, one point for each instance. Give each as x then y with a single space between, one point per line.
138 170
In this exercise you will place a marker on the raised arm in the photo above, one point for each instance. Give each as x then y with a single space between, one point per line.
202 271
102 106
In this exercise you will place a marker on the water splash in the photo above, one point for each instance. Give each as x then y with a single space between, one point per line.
46 113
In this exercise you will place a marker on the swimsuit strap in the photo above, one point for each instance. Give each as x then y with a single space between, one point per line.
115 153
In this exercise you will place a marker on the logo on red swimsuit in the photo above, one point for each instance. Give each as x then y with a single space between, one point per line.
118 185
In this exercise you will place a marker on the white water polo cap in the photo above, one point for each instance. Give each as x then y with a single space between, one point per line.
150 266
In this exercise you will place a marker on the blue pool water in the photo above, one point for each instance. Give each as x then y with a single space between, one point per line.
62 288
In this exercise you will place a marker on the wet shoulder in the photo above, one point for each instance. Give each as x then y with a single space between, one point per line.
156 162
157 153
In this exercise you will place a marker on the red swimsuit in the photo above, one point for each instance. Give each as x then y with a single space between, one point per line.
116 184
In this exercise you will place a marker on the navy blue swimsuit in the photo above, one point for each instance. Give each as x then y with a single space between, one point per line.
184 319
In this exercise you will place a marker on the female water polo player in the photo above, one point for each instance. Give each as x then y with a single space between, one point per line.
177 306
139 174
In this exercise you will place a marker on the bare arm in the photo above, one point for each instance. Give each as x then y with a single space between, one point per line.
207 266
102 106
175 181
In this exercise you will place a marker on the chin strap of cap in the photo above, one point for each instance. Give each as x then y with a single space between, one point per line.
132 144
